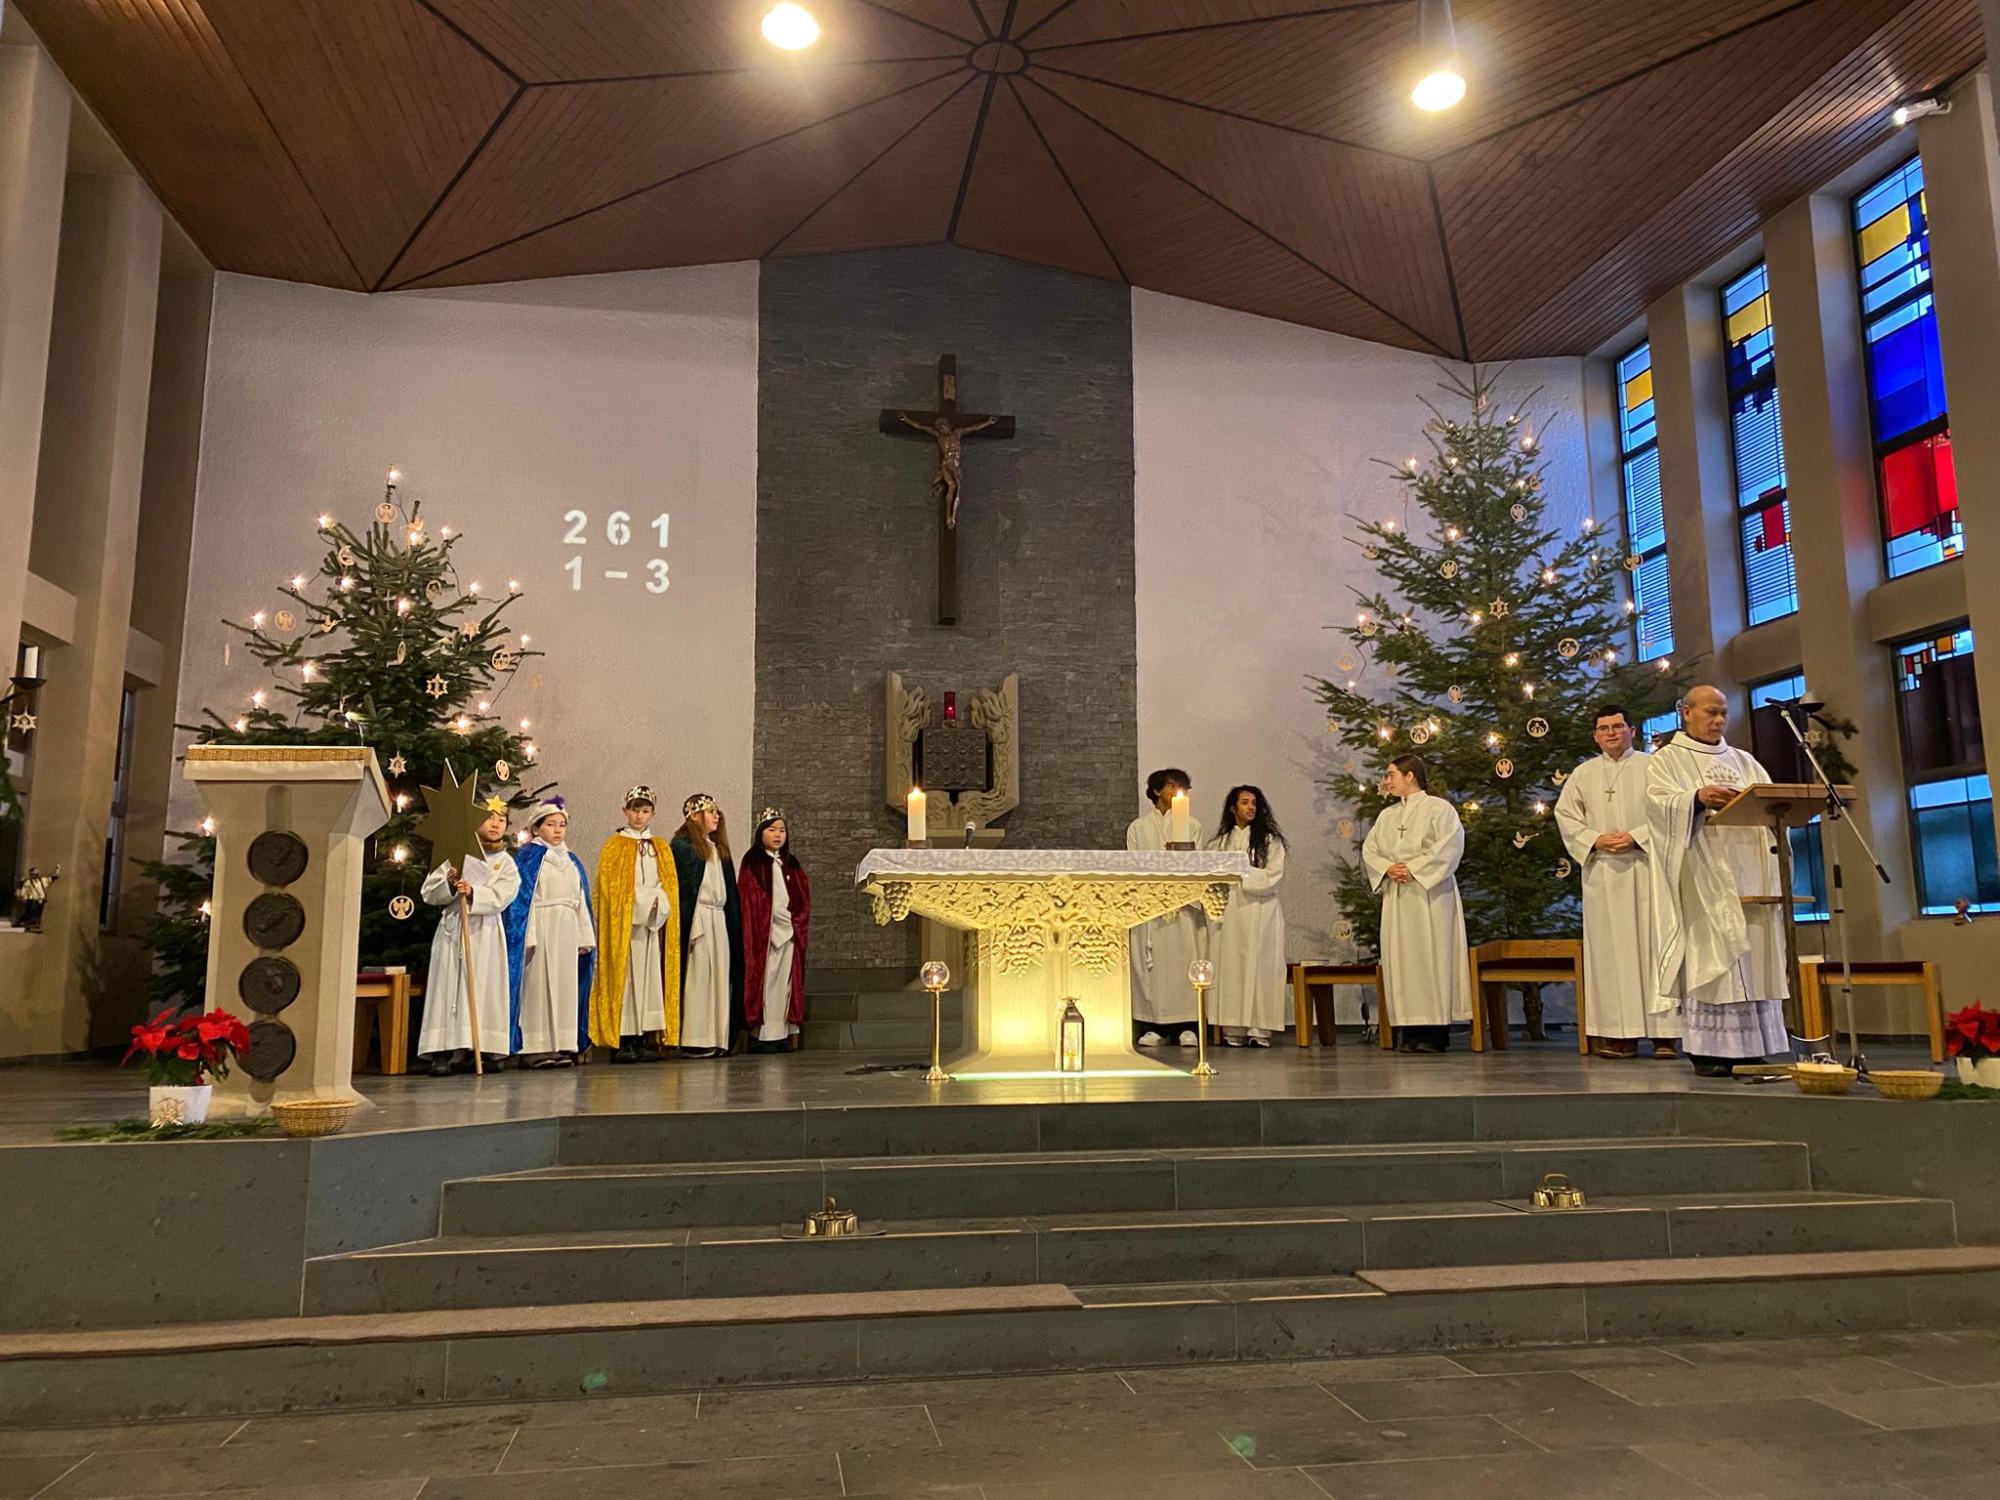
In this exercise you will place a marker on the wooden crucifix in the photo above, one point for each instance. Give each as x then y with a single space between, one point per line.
948 427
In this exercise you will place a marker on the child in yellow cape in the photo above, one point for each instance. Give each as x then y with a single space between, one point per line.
635 995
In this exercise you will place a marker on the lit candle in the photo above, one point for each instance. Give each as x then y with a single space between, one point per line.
1178 831
919 817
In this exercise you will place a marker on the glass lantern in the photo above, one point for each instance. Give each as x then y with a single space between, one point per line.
1070 1050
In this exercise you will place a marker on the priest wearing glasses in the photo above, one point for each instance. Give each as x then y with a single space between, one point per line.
1722 959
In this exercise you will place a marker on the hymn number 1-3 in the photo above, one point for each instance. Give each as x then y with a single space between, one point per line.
618 532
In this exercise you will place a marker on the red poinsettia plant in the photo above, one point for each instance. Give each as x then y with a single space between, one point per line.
1973 1032
187 1051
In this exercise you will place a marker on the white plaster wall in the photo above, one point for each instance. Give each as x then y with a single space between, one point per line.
1253 448
506 406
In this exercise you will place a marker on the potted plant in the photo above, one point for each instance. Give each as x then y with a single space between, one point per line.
1972 1036
180 1055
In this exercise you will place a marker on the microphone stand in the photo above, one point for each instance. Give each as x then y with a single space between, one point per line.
1838 814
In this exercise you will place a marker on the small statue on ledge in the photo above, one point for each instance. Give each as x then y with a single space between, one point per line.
33 894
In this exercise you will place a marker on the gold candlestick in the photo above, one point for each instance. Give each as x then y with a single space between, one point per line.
1201 974
935 975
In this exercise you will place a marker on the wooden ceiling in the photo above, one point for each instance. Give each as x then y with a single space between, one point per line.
1257 154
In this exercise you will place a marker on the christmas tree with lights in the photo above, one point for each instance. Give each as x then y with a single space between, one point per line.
1486 649
381 644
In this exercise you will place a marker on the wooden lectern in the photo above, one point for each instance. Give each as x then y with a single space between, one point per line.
1780 807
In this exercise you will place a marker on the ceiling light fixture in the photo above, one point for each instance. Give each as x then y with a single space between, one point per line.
1441 85
790 26
1917 109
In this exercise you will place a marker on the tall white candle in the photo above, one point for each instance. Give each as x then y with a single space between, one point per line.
1178 831
919 818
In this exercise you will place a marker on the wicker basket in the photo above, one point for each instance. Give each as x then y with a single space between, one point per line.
312 1117
1823 1078
1907 1083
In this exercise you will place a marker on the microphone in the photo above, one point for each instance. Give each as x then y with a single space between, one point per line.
1805 706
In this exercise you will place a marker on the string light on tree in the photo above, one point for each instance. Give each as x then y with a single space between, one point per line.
1528 652
387 671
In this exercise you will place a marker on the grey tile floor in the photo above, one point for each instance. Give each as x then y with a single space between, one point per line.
1911 1416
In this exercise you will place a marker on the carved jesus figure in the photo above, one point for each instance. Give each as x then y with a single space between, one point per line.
951 458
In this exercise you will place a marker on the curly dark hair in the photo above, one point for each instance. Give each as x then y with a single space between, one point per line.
1263 827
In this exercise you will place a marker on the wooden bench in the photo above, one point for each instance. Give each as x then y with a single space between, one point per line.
1508 961
382 1009
1819 975
1309 1009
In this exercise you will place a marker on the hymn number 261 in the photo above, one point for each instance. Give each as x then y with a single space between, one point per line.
618 532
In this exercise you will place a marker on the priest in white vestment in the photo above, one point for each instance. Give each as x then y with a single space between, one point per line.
1251 999
1411 855
1724 961
1601 815
446 1035
1162 997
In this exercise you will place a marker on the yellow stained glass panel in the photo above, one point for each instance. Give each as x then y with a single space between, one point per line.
1638 390
1885 234
1752 317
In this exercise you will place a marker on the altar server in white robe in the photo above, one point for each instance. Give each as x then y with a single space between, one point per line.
1411 855
1724 961
1162 998
556 943
1602 817
446 1035
1251 999
712 971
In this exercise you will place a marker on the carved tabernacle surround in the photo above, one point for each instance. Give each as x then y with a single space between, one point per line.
993 712
1045 926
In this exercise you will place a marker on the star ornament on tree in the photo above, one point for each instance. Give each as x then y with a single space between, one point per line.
397 765
436 687
23 722
452 817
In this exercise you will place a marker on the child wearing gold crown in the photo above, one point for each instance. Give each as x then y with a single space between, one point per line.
777 903
711 931
635 994
446 1038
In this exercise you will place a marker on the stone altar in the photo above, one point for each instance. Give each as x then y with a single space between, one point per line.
1039 926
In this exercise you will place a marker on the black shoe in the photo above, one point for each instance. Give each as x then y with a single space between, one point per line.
770 1046
1713 1067
628 1050
441 1066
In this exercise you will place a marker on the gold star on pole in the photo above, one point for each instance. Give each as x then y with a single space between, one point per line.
453 816
23 722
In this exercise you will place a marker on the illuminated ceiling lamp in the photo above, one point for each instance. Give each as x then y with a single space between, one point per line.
790 27
1441 85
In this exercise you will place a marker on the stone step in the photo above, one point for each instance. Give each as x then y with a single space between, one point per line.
604 1266
921 1128
659 1196
595 1352
910 1037
913 1006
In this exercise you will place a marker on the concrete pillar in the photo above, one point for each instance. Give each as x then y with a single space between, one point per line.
86 541
34 146
159 589
1691 404
1962 193
1836 539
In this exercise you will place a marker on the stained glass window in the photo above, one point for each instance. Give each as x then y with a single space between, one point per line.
1944 762
1645 511
1763 515
1920 525
1658 729
1772 743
